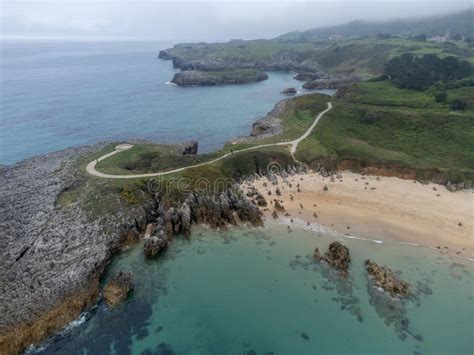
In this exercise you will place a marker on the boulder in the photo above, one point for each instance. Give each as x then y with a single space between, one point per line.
384 278
155 246
117 289
190 148
289 91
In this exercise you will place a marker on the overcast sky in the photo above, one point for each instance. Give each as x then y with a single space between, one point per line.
197 20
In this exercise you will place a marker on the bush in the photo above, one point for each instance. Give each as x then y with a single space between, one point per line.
458 105
370 118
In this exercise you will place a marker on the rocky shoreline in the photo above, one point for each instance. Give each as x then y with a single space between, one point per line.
60 253
218 70
209 78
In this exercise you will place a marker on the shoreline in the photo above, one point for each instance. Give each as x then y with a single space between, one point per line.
378 209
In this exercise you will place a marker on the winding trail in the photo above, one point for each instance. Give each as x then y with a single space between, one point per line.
121 147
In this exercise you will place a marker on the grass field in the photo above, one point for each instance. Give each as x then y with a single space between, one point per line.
376 123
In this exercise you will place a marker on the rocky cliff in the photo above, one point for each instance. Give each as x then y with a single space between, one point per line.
195 57
54 251
211 78
271 124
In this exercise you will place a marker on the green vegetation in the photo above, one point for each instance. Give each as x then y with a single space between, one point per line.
419 73
359 49
147 157
375 123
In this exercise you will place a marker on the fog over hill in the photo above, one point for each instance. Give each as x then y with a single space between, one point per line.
213 21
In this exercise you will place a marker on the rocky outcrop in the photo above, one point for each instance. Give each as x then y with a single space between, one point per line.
118 288
199 56
289 91
190 148
307 76
328 83
211 78
271 124
382 277
56 248
155 245
337 256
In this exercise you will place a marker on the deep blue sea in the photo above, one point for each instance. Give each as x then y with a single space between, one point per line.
59 94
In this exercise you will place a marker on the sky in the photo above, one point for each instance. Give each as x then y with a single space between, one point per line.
198 20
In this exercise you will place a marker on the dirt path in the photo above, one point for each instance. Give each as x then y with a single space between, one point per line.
294 145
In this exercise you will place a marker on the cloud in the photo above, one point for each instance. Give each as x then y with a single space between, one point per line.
196 20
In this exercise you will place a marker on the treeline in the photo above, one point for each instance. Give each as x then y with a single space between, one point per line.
411 72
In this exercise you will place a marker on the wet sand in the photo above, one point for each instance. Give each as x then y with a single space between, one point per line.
386 209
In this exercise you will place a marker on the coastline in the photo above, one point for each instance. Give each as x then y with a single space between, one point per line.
381 209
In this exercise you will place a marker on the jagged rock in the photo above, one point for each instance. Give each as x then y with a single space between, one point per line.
337 256
190 148
186 219
289 91
117 289
275 214
155 246
278 192
261 200
383 277
278 206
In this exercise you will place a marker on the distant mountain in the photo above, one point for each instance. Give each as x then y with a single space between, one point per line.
457 23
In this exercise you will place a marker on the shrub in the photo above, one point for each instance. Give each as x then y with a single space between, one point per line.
459 105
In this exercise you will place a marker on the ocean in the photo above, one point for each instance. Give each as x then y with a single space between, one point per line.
258 291
58 94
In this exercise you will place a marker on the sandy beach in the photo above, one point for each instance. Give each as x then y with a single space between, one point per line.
386 209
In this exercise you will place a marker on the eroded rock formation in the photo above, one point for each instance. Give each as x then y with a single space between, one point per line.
384 278
337 256
117 289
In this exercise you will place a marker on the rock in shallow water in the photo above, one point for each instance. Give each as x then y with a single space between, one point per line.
337 256
384 278
117 289
155 246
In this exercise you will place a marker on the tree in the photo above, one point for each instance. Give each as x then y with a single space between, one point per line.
418 73
457 37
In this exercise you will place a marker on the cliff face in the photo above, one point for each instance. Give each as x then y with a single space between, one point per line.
282 60
196 77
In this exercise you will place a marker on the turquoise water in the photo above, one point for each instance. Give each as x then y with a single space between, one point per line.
60 94
258 292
